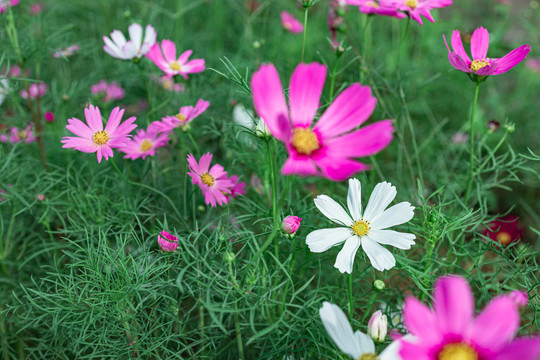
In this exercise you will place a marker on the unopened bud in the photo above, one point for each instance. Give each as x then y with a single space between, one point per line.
229 257
291 224
378 326
510 127
492 126
378 285
520 297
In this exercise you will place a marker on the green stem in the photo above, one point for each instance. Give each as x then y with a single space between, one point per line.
370 305
333 79
238 334
305 32
492 152
471 145
143 80
351 304
194 143
274 196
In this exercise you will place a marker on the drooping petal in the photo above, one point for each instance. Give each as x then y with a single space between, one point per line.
323 239
366 141
458 63
354 199
394 238
338 168
332 210
453 304
511 59
457 46
527 348
365 342
395 215
306 85
381 259
383 194
479 43
339 329
497 324
345 258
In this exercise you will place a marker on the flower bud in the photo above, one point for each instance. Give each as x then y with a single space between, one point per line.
49 116
378 285
167 241
378 326
520 297
229 257
492 126
291 224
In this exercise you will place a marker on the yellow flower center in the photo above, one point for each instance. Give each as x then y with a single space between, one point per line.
369 356
478 64
411 3
372 4
458 351
504 238
304 140
146 145
22 134
287 25
207 179
360 228
100 137
175 66
181 117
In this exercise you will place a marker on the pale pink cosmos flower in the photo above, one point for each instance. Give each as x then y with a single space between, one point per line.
92 138
66 51
168 84
111 91
290 23
381 7
415 8
165 59
451 331
5 3
117 46
327 147
213 182
167 241
185 115
481 65
40 197
17 135
145 143
291 224
35 90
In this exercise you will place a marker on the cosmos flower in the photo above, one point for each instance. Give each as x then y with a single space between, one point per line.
165 59
168 84
291 224
66 51
5 3
290 23
167 241
481 65
365 229
36 8
415 8
144 143
505 230
378 326
185 115
93 138
109 92
213 182
117 46
451 331
17 135
239 187
326 147
35 90
381 7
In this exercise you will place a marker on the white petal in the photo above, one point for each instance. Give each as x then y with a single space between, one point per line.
391 352
243 116
332 210
365 341
394 238
380 198
397 214
130 50
340 331
150 36
111 48
324 239
354 200
345 258
135 34
381 259
118 38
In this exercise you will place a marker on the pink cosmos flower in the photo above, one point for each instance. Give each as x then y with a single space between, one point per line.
165 59
325 148
213 182
35 90
239 187
66 51
481 65
451 331
145 143
167 241
415 8
19 135
169 84
36 8
382 7
185 115
505 230
291 224
40 197
290 23
117 46
111 91
5 3
93 138
521 298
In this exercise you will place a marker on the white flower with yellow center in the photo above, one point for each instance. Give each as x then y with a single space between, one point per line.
366 230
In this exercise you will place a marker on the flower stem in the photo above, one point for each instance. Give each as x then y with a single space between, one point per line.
368 309
238 334
305 32
492 152
471 145
143 80
351 304
194 143
274 196
333 79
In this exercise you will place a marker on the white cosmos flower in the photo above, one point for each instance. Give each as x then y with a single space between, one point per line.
120 48
365 229
355 344
246 118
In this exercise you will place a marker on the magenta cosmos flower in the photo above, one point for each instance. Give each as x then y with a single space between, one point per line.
17 135
382 7
145 143
417 8
290 23
109 92
291 224
165 59
183 118
451 331
117 46
481 65
35 90
93 138
213 182
5 3
167 241
326 147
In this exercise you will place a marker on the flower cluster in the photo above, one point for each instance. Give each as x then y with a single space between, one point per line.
400 9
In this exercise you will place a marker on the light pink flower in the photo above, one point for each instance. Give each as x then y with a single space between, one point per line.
168 84
117 46
290 23
145 143
17 135
36 8
382 7
291 224
326 147
521 298
48 116
92 138
35 90
415 8
460 138
213 182
5 3
378 326
239 187
533 64
111 91
165 59
185 115
451 331
481 65
167 241
40 197
66 51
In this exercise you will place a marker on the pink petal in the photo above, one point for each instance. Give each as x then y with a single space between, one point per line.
93 118
511 59
185 56
420 321
204 163
194 166
339 169
193 66
169 50
366 141
409 351
306 86
457 45
453 304
479 43
522 349
114 120
155 54
99 155
79 128
300 165
217 171
458 63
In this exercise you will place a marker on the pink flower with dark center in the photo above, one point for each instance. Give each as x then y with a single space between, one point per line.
92 138
481 65
35 90
505 230
145 143
17 135
381 7
5 3
165 59
109 92
291 224
213 182
451 331
134 48
167 241
185 115
415 8
290 23
327 147
66 51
